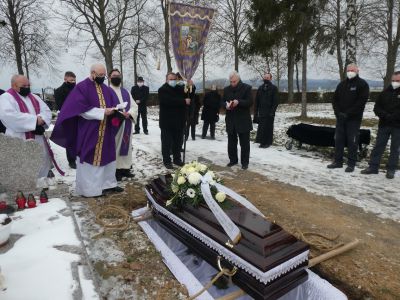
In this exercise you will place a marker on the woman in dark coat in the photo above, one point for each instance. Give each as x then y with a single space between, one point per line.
210 114
194 110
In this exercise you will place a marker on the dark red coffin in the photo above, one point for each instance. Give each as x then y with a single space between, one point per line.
270 261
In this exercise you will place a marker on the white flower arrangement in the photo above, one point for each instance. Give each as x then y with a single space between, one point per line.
186 185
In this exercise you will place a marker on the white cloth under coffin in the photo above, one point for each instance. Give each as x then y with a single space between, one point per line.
193 272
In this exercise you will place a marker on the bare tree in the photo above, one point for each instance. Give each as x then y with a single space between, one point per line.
165 13
230 26
103 20
385 32
26 36
351 32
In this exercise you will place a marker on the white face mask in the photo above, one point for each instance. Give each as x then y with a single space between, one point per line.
351 74
140 84
395 84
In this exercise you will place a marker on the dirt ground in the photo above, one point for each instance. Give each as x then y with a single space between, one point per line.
371 271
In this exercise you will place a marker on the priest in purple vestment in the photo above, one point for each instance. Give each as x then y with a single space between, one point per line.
84 128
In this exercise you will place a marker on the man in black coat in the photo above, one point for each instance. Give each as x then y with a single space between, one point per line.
237 100
264 111
140 93
173 103
60 94
2 127
349 101
210 113
387 108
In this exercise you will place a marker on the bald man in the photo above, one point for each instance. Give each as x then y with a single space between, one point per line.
26 116
85 128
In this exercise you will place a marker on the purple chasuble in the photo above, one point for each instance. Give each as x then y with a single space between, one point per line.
92 140
127 127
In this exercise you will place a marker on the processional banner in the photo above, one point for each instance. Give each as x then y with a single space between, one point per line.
190 26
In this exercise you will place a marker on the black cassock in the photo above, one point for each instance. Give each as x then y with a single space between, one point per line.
264 112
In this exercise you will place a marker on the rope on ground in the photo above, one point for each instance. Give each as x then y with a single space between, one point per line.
319 241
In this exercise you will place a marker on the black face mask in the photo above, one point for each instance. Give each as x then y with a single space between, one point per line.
100 80
266 81
116 81
70 85
24 91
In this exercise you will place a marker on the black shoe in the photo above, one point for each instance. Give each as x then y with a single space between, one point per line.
390 174
72 165
146 133
169 166
127 173
369 170
118 177
193 138
245 167
203 137
335 165
264 146
116 189
213 137
232 163
179 163
349 169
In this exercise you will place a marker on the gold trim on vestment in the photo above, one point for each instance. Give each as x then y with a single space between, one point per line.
99 145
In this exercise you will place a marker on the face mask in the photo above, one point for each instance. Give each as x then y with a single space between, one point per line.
24 91
70 85
395 84
351 75
140 84
172 83
99 80
116 81
266 81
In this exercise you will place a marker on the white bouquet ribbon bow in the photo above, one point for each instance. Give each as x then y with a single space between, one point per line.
229 227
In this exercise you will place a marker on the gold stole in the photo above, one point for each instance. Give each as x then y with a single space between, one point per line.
99 145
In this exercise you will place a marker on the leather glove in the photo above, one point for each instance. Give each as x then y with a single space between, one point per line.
39 130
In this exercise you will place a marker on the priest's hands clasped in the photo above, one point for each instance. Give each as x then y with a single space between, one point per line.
39 121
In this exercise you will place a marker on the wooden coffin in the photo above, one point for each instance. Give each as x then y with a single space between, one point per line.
270 261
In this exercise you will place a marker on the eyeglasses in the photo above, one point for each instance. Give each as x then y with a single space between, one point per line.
100 75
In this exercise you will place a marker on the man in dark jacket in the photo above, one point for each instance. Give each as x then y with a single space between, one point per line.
173 104
349 101
60 94
387 108
2 127
140 93
238 100
210 113
264 111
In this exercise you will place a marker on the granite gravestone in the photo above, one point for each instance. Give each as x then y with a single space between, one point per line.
20 162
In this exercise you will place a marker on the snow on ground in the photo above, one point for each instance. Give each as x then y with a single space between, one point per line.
38 266
302 168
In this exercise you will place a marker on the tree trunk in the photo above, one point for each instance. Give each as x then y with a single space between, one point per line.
392 44
164 7
297 77
108 58
204 73
121 61
278 71
304 82
339 42
135 67
15 36
25 61
290 65
351 32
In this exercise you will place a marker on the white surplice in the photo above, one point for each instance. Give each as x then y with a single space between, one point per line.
17 123
92 180
125 162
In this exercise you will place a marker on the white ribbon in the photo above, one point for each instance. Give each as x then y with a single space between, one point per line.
229 227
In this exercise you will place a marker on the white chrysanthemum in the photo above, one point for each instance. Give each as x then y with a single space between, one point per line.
220 196
181 180
174 188
194 178
211 174
190 170
202 168
191 193
169 202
